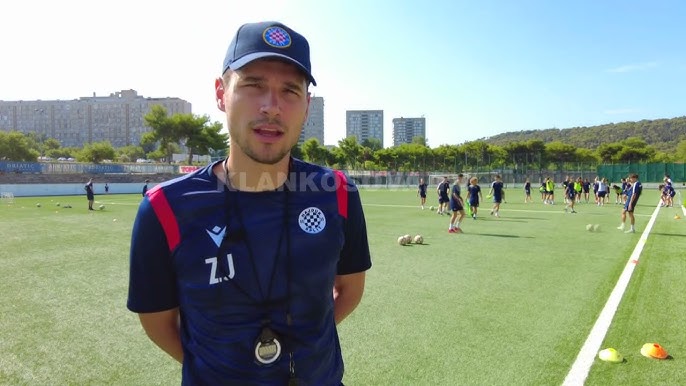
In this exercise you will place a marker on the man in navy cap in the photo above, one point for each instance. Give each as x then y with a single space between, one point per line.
242 269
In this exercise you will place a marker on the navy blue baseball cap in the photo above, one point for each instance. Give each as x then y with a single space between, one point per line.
268 39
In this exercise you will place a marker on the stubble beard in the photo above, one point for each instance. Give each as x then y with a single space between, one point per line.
267 158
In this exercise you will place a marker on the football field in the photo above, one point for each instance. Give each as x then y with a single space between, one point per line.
511 301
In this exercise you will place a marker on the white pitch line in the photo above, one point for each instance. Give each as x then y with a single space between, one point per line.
582 365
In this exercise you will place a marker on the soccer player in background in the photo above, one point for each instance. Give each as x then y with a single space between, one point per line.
570 197
602 191
550 191
633 194
497 193
456 206
474 196
421 192
586 188
90 194
527 191
443 197
577 189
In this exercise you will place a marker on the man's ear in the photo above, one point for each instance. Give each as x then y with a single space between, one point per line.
219 93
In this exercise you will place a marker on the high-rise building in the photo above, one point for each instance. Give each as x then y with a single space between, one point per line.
117 118
405 129
314 125
364 124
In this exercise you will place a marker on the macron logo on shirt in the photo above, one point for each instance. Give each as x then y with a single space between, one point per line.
216 234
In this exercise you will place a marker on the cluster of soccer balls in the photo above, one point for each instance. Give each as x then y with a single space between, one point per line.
407 239
593 227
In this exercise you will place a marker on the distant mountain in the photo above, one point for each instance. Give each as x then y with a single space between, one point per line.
662 134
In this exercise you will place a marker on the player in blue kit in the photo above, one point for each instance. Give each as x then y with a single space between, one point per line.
242 270
497 193
474 196
443 197
633 193
421 192
456 206
570 197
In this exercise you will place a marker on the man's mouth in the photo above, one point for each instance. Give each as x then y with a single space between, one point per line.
268 132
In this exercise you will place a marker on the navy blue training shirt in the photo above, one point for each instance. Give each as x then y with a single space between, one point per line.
284 249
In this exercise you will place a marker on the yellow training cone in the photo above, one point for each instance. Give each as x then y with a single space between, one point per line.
610 355
677 217
653 350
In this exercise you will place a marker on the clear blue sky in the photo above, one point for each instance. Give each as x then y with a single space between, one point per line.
472 68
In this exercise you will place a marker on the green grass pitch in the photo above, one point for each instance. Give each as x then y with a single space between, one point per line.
509 302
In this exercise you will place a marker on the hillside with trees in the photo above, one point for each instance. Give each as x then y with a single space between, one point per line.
661 134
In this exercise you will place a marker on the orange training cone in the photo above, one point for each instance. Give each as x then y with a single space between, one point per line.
653 350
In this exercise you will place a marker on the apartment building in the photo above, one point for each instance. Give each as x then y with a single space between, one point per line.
117 118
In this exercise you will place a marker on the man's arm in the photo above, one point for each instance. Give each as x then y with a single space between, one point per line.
163 329
347 293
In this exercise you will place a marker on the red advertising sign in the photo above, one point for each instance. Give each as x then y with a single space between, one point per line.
184 169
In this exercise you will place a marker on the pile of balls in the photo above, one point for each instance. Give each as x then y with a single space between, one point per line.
593 227
407 239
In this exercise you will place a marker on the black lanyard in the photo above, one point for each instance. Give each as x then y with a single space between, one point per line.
232 237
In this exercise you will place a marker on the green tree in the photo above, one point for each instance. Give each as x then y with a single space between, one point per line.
62 152
419 140
296 152
198 134
386 158
680 154
14 146
372 143
314 152
164 131
608 152
35 141
96 152
51 144
130 153
560 153
350 150
447 157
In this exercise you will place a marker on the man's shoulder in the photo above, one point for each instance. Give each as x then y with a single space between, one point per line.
198 181
322 176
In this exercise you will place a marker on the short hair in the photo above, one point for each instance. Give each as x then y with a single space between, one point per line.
633 175
460 175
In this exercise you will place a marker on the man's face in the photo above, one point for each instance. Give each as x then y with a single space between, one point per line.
266 104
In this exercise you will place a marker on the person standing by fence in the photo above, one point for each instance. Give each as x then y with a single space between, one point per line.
90 195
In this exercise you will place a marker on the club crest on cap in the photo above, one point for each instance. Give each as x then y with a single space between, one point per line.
276 37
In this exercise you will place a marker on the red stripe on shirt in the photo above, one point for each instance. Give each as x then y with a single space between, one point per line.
165 215
342 193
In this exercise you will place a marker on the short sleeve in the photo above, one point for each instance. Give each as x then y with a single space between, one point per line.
152 278
355 256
